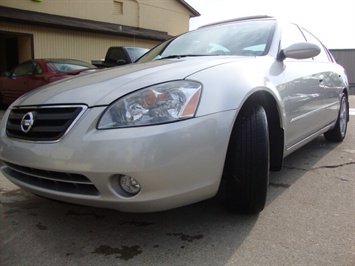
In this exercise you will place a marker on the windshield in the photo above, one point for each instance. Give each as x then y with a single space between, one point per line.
246 38
64 66
135 52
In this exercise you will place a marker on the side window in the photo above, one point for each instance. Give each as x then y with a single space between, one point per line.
291 34
116 54
24 70
323 56
38 69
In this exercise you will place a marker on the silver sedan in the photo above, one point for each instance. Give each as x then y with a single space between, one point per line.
213 110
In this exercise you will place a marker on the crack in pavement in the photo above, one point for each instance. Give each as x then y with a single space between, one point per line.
319 167
284 185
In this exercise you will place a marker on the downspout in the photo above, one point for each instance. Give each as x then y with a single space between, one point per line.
139 13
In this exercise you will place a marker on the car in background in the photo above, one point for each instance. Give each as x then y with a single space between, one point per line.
212 110
120 55
35 73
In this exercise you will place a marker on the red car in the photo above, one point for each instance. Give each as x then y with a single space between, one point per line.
35 73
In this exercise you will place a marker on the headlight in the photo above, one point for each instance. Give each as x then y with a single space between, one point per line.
157 104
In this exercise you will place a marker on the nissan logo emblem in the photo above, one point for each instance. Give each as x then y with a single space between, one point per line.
27 122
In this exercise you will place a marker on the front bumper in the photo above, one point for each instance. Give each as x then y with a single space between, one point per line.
176 164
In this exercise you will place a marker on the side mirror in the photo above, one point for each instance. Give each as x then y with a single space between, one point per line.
302 50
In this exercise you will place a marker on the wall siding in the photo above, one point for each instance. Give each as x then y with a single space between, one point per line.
57 43
346 58
162 15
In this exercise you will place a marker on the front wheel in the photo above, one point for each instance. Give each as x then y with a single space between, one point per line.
247 163
337 134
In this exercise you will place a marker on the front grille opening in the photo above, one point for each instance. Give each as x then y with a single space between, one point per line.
49 123
56 181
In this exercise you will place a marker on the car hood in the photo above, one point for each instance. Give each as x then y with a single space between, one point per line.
105 86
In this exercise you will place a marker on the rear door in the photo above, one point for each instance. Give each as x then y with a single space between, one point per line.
331 85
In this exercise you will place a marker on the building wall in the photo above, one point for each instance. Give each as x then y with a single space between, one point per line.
166 15
346 58
58 43
162 15
35 41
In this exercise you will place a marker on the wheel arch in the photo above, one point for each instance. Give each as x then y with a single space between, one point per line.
346 92
276 132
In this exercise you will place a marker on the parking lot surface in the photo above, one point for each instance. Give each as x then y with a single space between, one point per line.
309 219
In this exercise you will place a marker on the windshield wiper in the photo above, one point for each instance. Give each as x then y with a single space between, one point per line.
178 56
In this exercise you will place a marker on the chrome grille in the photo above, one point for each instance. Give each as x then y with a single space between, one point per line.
50 122
57 181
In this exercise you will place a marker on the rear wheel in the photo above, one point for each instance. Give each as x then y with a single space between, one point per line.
247 163
337 134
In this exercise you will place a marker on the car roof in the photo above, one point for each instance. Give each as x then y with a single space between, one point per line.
238 19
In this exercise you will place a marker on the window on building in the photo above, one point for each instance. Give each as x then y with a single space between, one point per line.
117 7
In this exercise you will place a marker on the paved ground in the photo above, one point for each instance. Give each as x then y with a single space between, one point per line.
309 220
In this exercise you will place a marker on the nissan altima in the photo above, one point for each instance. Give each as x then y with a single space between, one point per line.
212 110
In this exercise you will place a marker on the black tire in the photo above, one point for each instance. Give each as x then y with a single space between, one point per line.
337 134
247 163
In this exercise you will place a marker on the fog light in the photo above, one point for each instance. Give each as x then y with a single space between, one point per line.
129 185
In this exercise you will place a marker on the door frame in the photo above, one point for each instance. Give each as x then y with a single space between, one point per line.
20 48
